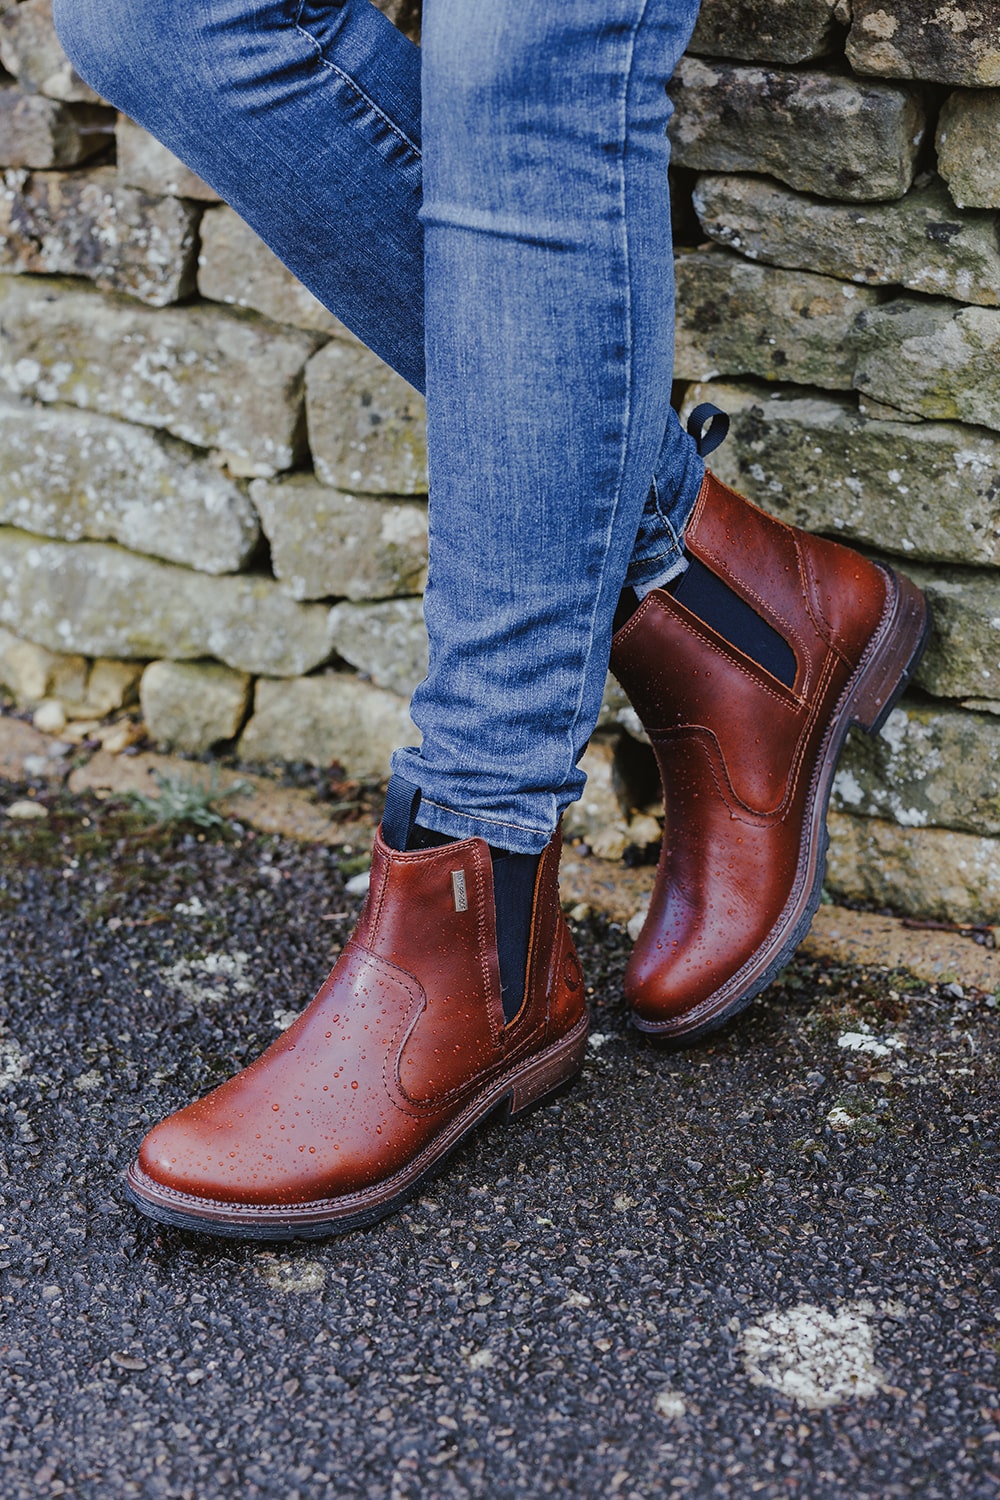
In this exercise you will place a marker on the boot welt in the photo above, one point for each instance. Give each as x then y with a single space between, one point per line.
531 1083
868 699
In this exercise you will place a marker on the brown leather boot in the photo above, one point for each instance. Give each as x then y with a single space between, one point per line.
403 1051
746 762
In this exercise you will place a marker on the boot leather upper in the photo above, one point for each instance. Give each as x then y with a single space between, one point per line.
736 747
402 1034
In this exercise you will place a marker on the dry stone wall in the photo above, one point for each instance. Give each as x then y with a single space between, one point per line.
213 498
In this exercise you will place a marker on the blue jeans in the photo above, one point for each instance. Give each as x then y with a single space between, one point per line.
490 214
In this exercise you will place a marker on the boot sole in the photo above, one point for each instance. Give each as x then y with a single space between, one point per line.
527 1087
866 702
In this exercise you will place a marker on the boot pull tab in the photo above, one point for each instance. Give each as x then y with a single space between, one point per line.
402 800
707 437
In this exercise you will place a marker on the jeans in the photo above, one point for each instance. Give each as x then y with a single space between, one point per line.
490 214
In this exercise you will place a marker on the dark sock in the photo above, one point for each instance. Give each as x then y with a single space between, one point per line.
707 596
514 878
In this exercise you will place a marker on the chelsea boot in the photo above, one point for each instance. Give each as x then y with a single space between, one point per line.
401 1054
747 759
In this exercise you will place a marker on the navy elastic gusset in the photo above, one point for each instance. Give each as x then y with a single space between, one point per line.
514 877
713 601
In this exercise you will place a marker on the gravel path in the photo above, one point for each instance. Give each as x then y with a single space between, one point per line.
764 1267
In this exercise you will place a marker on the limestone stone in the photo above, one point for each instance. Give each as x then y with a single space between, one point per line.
193 705
111 685
835 136
929 872
963 656
918 241
184 369
236 267
387 641
332 717
32 673
100 600
85 224
326 544
30 49
600 817
39 132
968 146
145 164
944 42
737 318
931 766
788 31
73 474
925 490
932 357
366 424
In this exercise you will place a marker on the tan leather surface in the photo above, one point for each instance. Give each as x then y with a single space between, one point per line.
737 749
403 1033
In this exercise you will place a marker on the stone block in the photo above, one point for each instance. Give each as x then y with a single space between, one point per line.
968 147
184 369
32 673
39 132
736 318
327 544
387 641
918 241
963 657
111 685
236 267
835 136
73 474
932 358
366 424
946 43
925 872
924 490
332 717
193 705
786 31
31 51
99 600
85 224
930 767
145 164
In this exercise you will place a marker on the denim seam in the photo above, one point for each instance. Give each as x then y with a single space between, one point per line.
353 84
629 381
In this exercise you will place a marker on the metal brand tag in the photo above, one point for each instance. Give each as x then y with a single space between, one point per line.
458 889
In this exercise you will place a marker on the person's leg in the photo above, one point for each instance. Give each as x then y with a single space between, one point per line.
548 379
548 275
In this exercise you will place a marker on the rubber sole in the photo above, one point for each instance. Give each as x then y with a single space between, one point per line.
866 703
529 1086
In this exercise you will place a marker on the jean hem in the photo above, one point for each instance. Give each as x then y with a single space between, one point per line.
514 837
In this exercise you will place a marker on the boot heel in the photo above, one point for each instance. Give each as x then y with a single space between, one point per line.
551 1074
895 661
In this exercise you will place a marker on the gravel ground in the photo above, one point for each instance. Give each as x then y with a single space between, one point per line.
762 1267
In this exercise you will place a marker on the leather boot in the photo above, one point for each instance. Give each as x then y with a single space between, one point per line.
400 1055
746 761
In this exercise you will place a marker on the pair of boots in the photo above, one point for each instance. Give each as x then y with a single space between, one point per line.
407 1045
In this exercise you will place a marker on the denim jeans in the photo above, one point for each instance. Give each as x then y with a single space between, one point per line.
490 214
